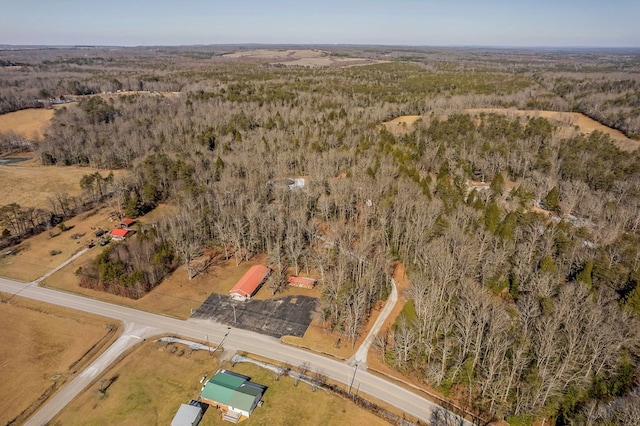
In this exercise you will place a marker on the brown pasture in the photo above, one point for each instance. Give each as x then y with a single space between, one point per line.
154 379
570 124
570 121
28 123
43 347
30 184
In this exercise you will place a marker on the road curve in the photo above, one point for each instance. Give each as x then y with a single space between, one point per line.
144 324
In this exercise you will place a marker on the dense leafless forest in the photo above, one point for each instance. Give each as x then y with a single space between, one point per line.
524 295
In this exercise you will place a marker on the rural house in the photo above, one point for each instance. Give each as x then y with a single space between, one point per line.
120 234
250 282
232 393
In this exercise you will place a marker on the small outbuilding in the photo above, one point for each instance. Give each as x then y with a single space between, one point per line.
127 223
188 414
302 282
250 282
232 393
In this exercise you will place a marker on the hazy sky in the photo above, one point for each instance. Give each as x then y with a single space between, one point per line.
405 22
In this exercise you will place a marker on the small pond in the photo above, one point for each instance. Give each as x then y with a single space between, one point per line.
4 161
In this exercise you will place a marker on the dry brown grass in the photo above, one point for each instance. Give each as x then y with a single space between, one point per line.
42 341
28 123
299 57
32 258
30 184
152 383
401 125
571 122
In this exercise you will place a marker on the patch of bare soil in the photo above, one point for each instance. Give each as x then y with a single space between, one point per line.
28 123
401 125
43 346
572 121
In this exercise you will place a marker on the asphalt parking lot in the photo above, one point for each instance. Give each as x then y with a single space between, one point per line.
286 316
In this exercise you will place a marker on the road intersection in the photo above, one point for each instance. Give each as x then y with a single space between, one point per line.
143 325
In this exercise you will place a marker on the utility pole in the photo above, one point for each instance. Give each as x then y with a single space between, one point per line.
222 341
355 370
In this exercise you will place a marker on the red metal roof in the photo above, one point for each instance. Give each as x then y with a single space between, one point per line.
251 281
302 282
128 222
119 232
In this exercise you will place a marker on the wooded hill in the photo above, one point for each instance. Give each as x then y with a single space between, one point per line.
524 296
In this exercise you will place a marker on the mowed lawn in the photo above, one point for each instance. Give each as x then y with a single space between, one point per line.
155 379
42 346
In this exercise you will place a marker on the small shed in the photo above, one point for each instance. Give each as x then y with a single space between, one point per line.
127 223
250 282
188 415
302 282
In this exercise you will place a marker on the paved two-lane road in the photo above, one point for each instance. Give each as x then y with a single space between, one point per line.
140 325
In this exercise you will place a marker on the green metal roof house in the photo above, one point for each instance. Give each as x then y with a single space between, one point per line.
232 392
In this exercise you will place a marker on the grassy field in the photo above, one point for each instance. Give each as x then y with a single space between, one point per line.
154 380
30 184
570 122
28 123
32 258
43 347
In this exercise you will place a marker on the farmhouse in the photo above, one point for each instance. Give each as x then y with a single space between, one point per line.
121 233
302 282
250 282
232 393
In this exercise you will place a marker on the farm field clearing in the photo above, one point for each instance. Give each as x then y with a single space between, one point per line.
570 123
30 184
28 123
48 345
570 120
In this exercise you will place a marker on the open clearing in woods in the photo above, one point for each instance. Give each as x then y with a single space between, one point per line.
583 123
154 379
570 122
30 184
47 346
299 57
28 123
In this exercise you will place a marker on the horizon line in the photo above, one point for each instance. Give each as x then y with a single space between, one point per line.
452 46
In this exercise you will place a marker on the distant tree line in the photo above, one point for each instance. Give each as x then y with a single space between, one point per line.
519 241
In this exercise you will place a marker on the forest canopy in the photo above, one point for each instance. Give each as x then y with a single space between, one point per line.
519 236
